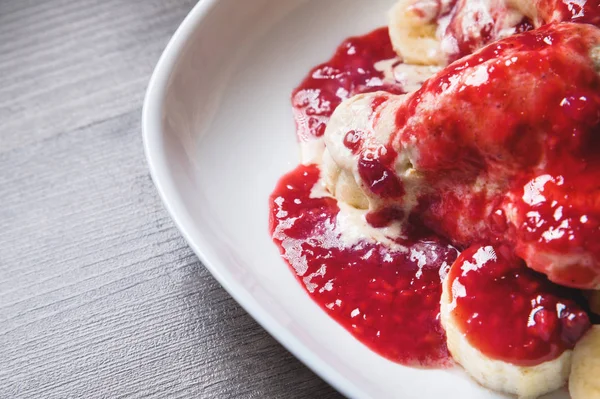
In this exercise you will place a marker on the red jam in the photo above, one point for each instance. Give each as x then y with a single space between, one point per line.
581 11
511 313
474 24
533 141
471 24
386 298
375 167
351 71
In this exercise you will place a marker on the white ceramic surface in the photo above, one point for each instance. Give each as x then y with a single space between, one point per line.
219 133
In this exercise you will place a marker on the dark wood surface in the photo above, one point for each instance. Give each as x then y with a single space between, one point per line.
100 297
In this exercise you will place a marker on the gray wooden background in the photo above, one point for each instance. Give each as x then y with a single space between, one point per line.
100 297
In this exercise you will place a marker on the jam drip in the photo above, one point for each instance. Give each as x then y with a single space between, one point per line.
511 313
387 298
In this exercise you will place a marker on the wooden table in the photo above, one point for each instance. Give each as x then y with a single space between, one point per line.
100 297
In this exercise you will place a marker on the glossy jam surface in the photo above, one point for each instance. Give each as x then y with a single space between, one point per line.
581 11
387 298
471 25
511 313
511 136
351 71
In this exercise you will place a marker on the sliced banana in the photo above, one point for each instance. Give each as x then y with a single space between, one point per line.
341 183
373 125
413 34
584 382
524 382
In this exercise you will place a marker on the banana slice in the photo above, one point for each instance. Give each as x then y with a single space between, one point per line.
341 183
525 382
413 33
363 122
584 382
529 381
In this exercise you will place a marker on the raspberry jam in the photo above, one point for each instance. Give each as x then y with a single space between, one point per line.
509 141
351 71
581 11
511 313
387 298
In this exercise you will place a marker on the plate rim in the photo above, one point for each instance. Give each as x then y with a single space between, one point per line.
151 124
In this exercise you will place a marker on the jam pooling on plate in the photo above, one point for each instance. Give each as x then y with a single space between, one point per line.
351 71
387 298
511 313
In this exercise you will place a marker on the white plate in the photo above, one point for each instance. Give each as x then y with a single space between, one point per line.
219 133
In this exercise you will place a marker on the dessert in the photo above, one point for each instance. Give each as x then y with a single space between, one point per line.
448 203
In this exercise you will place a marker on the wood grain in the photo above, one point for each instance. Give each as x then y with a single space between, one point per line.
100 297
